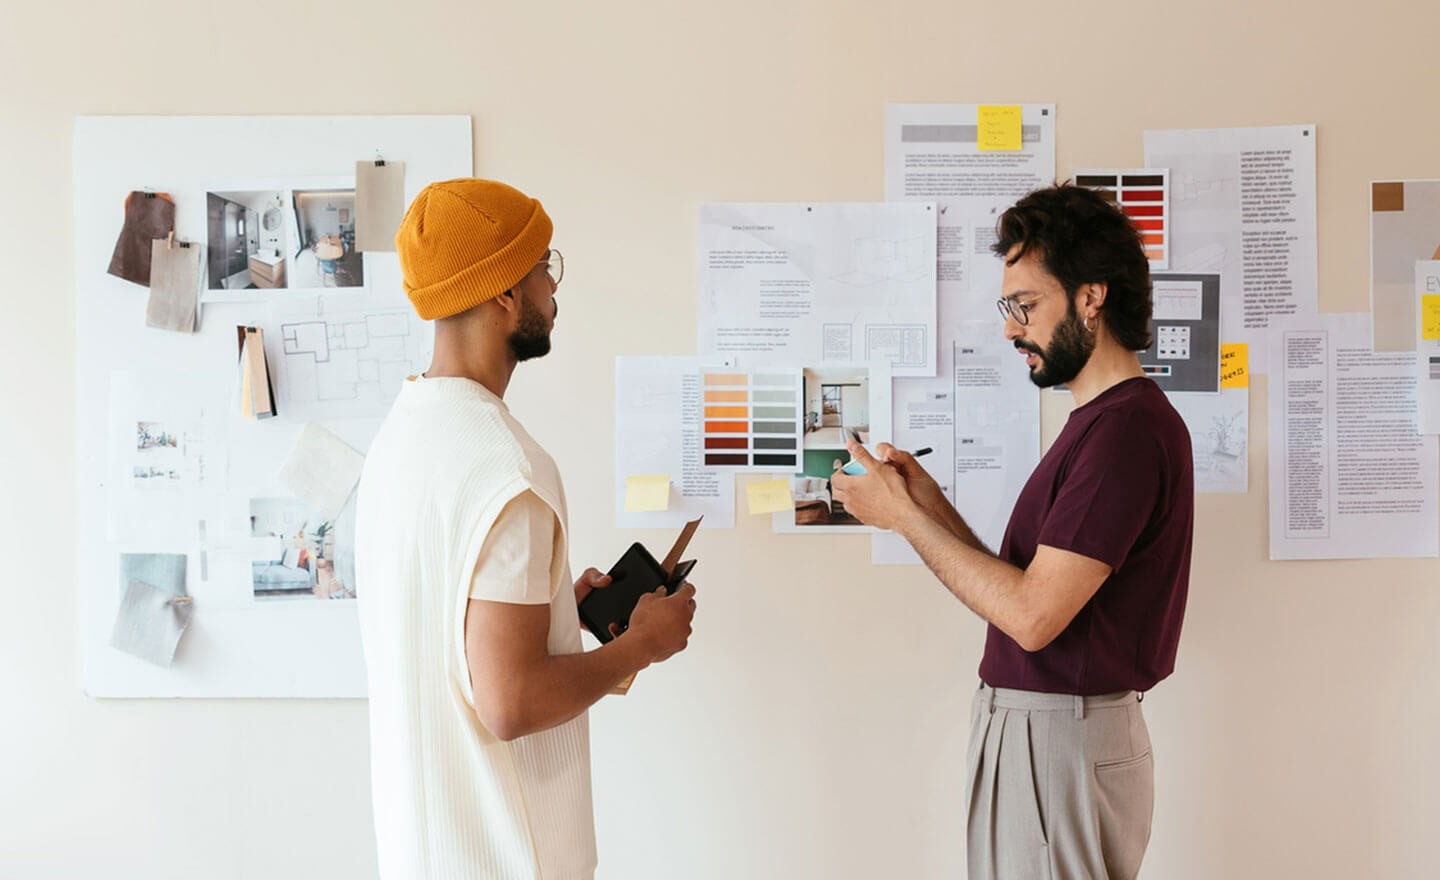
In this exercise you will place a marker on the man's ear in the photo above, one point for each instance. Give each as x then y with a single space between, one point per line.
1092 295
507 301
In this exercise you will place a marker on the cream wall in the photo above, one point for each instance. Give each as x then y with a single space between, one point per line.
816 727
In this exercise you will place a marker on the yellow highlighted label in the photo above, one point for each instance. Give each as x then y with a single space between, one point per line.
647 492
1430 316
1234 365
768 496
998 127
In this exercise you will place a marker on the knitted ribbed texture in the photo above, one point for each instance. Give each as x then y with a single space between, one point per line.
451 801
467 240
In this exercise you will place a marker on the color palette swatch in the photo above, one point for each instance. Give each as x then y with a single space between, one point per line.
1144 195
752 421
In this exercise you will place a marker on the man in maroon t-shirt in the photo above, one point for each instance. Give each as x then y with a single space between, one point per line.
1085 598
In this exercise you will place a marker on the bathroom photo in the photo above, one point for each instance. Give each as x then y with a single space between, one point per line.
325 254
246 235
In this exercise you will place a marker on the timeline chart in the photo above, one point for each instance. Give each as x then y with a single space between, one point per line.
1144 195
753 420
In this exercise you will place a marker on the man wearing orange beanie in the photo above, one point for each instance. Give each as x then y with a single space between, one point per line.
480 755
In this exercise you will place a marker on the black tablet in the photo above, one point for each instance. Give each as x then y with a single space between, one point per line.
635 574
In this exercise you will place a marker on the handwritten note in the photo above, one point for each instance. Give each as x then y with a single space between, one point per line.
1234 365
769 496
1430 316
998 127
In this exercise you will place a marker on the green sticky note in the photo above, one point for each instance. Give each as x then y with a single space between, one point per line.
998 127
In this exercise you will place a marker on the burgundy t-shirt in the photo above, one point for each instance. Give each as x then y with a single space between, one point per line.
1117 486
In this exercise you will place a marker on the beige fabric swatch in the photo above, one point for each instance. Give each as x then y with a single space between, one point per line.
322 470
379 204
174 285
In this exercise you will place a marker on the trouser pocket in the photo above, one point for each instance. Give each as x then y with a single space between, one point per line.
1125 805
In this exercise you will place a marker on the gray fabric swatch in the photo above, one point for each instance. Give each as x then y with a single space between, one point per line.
174 285
379 204
163 571
150 623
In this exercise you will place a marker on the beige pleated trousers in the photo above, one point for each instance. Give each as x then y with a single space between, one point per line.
1059 787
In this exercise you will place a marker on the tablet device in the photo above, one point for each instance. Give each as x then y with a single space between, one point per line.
634 575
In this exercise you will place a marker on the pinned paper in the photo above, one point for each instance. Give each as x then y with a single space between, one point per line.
998 127
1235 365
175 271
379 204
1430 316
322 470
257 395
647 492
769 496
163 571
150 623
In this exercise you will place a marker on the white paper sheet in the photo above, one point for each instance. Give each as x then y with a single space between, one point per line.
1350 477
1427 350
819 283
657 418
1219 437
980 414
1242 202
167 454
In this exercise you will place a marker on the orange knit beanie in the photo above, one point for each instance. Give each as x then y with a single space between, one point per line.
468 240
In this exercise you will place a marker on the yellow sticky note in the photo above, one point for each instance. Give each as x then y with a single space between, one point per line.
998 127
1234 365
1430 316
647 492
768 496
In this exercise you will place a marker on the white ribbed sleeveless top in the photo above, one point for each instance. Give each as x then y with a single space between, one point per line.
451 800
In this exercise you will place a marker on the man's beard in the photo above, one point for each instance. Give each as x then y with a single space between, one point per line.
531 338
1066 355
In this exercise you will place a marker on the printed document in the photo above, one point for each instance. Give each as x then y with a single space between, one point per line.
792 284
1242 204
1350 476
980 414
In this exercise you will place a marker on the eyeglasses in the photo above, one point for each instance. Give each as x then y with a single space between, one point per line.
1013 308
554 266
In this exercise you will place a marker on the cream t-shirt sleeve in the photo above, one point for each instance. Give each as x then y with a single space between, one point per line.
515 560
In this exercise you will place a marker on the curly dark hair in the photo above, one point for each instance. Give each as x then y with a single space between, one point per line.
1081 238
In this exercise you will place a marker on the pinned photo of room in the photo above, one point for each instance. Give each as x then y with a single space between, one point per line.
245 231
295 551
837 403
326 255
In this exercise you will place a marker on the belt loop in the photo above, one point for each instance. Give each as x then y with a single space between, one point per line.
1079 708
989 697
1139 696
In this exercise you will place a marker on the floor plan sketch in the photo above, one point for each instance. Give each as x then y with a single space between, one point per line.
348 364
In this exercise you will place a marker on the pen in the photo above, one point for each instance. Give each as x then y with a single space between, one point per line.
855 469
